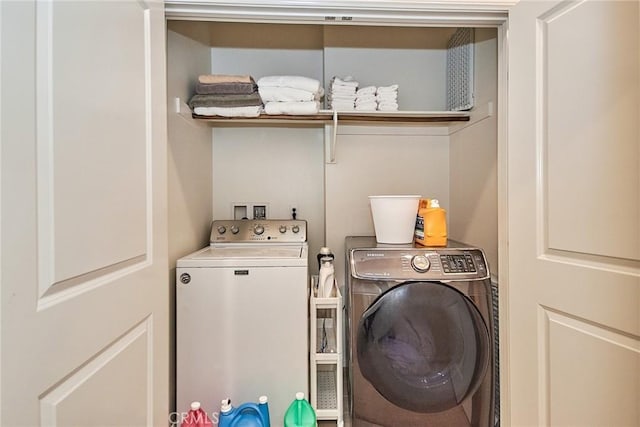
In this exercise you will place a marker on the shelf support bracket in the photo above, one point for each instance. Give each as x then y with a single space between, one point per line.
330 137
181 109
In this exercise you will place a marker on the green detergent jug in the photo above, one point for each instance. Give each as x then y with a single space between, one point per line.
300 413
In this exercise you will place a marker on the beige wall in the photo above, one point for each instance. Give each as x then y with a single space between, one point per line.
375 161
189 160
282 166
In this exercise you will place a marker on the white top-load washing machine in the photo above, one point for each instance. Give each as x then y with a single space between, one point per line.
242 317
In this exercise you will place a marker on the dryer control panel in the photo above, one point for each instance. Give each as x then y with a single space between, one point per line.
444 264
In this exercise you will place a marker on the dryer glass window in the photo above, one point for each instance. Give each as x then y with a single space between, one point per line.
424 346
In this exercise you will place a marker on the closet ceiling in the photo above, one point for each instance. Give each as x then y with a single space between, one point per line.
310 36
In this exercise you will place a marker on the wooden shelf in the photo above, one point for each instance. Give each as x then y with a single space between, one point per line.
330 120
326 117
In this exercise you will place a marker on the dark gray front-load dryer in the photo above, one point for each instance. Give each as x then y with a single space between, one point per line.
420 336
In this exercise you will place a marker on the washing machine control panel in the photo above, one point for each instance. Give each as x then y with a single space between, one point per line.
419 264
263 230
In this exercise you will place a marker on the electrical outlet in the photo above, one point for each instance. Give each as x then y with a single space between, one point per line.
294 213
249 210
259 211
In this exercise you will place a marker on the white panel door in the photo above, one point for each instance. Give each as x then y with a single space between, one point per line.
574 213
84 300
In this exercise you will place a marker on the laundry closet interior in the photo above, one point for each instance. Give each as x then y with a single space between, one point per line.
326 165
327 174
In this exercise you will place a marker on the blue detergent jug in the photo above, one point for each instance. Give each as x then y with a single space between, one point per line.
245 415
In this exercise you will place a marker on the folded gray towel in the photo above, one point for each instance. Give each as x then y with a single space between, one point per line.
225 88
231 100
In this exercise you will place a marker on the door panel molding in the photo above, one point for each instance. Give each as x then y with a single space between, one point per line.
596 262
133 348
565 338
587 148
65 290
68 262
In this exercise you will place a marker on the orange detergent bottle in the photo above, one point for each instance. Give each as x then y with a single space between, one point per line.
431 224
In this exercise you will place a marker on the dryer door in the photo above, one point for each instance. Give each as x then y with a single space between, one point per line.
424 346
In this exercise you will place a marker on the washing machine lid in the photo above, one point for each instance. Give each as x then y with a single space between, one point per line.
231 255
423 346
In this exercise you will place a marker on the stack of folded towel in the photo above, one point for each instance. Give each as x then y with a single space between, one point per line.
346 96
387 97
343 94
226 95
290 95
366 99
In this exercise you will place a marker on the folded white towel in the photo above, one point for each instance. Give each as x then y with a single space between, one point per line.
367 90
343 90
387 97
272 93
295 82
344 87
345 81
365 98
251 111
292 108
343 101
388 106
342 106
351 98
391 88
367 106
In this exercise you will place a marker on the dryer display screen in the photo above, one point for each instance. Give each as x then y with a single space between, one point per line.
457 263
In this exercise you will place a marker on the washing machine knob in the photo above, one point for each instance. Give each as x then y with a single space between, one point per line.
258 229
234 229
283 229
222 229
420 263
295 228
